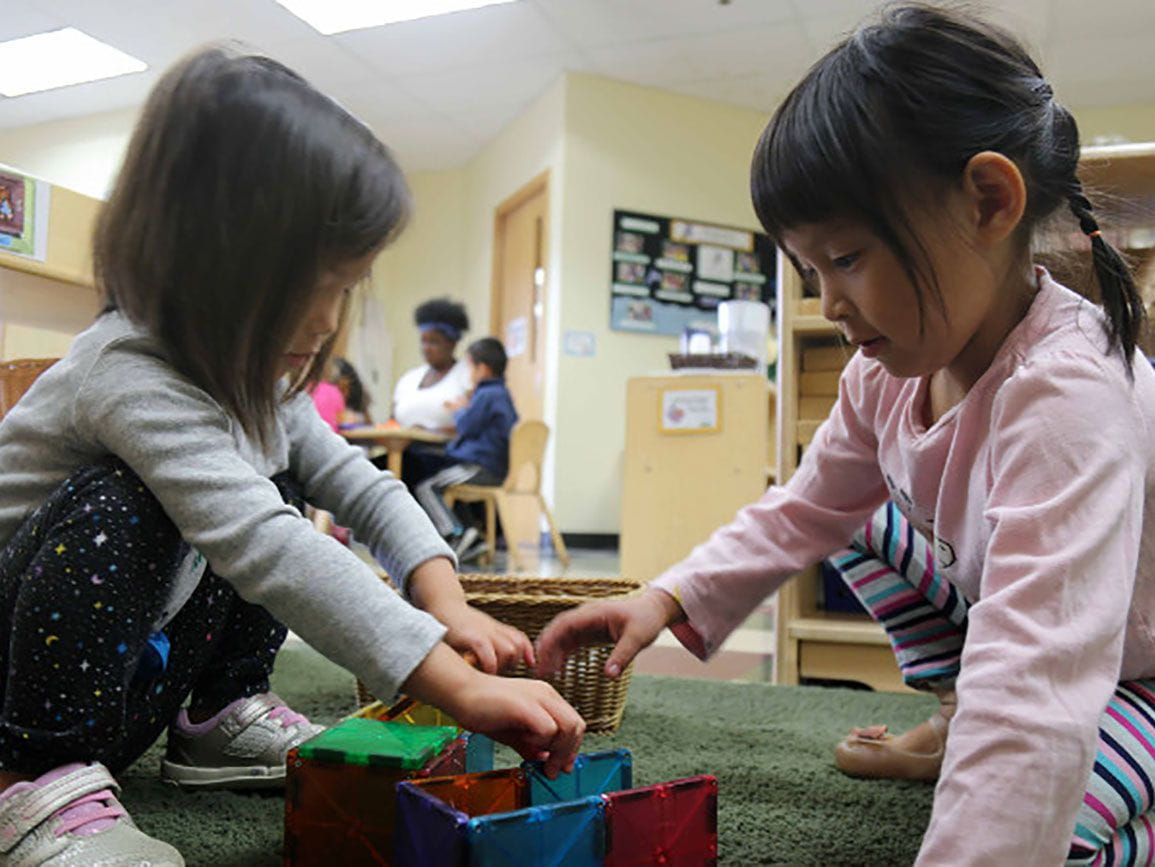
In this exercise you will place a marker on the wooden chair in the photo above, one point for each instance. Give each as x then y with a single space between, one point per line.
16 377
526 451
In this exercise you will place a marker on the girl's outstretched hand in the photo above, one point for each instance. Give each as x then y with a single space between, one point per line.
527 715
434 587
629 624
496 646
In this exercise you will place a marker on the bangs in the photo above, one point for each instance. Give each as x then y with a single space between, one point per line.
823 154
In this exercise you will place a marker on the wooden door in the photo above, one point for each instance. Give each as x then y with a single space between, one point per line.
518 305
518 320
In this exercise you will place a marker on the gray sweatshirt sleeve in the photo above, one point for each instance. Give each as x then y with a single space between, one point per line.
375 505
179 441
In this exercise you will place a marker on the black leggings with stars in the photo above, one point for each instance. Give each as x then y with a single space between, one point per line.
81 584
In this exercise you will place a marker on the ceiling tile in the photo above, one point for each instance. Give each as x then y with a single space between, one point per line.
508 32
426 143
382 100
593 23
500 83
325 63
485 123
124 91
655 63
27 23
759 92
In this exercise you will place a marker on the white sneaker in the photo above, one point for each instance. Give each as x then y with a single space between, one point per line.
465 541
69 817
242 747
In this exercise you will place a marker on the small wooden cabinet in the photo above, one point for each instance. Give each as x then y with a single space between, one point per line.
681 485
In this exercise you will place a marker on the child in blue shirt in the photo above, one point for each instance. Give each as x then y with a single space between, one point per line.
479 455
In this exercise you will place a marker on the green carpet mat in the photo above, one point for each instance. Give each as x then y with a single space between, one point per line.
780 799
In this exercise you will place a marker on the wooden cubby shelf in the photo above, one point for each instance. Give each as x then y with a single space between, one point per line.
819 645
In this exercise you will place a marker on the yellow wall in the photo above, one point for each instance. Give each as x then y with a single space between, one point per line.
448 248
23 341
607 145
646 150
1134 123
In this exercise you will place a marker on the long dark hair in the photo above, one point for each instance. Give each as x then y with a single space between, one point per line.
241 184
905 103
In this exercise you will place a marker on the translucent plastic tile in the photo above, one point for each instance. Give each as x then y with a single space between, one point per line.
480 794
429 832
449 762
571 834
433 814
478 753
673 824
340 797
370 742
337 813
593 774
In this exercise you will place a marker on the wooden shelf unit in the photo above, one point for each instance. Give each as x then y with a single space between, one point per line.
56 295
812 643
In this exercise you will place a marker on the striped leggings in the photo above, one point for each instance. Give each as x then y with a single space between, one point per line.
890 568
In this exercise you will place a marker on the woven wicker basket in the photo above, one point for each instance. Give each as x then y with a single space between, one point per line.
530 603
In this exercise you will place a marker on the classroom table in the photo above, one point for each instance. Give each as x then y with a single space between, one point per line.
393 439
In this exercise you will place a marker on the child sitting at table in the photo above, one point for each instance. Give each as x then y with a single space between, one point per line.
479 455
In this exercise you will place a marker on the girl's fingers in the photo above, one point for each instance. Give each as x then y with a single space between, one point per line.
568 632
486 656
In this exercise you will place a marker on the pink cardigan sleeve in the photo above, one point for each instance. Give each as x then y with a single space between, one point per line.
837 485
1044 643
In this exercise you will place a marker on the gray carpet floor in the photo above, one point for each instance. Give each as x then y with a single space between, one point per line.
781 801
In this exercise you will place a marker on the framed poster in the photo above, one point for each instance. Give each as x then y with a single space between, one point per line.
23 215
669 274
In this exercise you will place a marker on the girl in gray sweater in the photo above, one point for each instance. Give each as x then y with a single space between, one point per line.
151 482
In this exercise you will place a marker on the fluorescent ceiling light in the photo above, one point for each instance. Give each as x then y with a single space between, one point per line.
337 16
57 59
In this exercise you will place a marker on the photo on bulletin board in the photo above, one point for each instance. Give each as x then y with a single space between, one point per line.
669 274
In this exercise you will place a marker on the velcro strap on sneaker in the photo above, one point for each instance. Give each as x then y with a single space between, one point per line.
254 708
22 812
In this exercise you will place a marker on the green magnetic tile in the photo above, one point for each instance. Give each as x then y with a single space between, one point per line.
380 744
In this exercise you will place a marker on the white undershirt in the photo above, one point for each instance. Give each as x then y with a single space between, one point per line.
414 406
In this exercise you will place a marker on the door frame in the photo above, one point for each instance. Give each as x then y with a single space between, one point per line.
538 184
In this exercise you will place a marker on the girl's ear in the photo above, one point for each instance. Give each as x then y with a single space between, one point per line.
997 196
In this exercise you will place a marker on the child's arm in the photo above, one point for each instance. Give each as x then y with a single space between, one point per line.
434 587
528 715
836 487
385 517
1044 644
470 420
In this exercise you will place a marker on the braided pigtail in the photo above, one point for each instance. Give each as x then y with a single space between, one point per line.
1119 293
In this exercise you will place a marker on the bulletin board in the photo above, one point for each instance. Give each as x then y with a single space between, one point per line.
668 274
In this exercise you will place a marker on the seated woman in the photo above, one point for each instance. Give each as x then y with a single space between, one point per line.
421 394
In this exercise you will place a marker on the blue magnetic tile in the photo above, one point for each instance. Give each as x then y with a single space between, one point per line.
556 835
428 831
593 774
478 753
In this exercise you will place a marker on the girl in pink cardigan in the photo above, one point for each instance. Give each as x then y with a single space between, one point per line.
994 431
